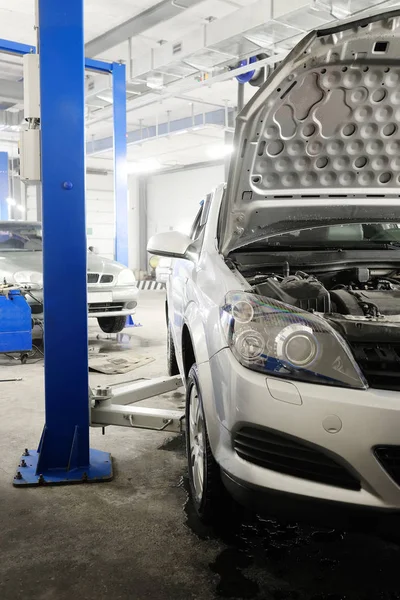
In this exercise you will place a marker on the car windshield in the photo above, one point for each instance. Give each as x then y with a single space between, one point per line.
21 237
347 235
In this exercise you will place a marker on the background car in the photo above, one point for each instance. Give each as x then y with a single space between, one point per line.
112 289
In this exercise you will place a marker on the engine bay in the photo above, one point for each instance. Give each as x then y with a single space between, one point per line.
358 291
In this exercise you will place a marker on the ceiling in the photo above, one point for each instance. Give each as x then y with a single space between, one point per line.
207 32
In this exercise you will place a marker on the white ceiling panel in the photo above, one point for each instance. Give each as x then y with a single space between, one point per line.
17 17
102 15
17 21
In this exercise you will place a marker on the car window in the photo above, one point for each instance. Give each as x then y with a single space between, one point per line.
201 218
196 227
20 237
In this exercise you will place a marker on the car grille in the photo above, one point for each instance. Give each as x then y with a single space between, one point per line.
106 307
284 455
389 458
380 363
98 278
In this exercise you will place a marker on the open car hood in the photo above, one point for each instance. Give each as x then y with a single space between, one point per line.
324 126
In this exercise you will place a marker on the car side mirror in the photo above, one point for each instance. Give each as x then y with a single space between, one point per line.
171 243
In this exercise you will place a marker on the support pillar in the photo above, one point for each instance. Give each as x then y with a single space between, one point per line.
64 455
143 237
120 163
4 186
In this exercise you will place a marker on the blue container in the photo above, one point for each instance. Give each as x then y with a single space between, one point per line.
15 323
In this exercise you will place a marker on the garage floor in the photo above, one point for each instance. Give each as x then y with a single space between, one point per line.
134 538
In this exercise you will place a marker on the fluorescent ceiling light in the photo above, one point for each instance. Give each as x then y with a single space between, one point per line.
144 166
11 201
219 151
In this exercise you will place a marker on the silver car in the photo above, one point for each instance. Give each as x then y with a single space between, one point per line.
284 305
112 290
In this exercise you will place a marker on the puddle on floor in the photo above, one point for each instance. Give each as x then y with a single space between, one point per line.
175 444
265 559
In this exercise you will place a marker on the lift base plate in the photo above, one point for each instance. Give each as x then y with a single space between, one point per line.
99 470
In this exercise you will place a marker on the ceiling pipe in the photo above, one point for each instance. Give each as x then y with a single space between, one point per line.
161 12
175 89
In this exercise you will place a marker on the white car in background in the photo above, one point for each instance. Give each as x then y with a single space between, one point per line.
112 289
284 305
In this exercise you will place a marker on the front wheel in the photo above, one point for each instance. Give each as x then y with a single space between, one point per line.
206 489
112 324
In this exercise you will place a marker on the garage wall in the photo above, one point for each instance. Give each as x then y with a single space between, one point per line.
100 221
31 212
173 199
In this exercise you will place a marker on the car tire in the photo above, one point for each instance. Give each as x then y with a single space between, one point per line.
112 324
172 364
206 489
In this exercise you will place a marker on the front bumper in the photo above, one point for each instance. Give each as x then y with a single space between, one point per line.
368 418
103 301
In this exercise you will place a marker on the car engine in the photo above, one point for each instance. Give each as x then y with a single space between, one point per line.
358 292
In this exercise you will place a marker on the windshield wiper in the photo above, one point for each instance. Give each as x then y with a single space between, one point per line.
276 247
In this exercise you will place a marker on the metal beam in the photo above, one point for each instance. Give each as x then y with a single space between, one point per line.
195 100
120 159
177 88
140 417
97 66
10 47
136 25
138 136
140 389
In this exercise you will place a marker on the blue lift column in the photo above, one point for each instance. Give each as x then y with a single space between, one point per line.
4 186
64 455
120 163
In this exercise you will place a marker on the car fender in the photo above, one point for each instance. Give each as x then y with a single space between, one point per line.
194 322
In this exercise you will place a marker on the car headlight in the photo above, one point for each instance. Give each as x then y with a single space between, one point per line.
29 278
277 339
126 277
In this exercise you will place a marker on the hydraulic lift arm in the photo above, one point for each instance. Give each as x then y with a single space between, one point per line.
109 405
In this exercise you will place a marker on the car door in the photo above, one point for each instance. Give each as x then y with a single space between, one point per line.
182 272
